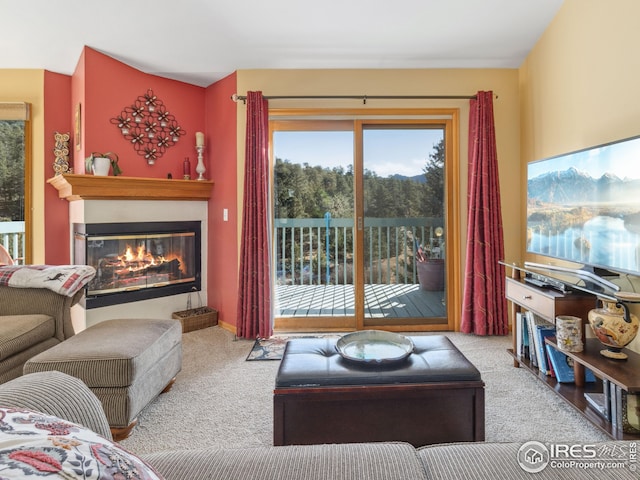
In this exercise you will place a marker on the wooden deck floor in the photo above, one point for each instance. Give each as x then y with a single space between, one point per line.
381 301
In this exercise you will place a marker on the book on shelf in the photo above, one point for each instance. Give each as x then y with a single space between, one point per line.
599 402
525 336
563 367
519 339
624 410
607 398
528 318
630 412
552 373
543 331
539 329
615 403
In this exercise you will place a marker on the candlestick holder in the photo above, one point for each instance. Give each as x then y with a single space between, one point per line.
200 168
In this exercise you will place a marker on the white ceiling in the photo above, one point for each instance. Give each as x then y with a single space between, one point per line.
201 41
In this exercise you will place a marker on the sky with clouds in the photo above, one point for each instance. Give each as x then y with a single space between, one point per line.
618 158
386 152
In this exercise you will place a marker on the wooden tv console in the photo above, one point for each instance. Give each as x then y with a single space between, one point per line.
623 374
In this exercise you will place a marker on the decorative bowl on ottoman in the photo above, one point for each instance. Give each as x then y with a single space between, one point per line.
374 347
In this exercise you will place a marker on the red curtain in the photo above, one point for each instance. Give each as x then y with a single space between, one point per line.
484 307
254 289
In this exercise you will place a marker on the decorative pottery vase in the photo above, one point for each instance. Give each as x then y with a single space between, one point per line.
614 326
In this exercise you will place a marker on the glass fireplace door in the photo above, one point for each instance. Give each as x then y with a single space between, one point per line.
155 258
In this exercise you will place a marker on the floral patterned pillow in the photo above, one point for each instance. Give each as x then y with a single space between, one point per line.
34 445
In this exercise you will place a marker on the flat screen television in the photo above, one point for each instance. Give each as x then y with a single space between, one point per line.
584 207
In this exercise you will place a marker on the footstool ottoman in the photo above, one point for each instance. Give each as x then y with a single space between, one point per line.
434 396
126 362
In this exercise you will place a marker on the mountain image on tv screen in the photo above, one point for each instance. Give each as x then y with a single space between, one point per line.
585 206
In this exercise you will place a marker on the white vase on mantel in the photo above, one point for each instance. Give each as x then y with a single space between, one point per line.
100 166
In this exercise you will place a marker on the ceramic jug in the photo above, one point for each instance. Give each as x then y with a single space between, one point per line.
614 326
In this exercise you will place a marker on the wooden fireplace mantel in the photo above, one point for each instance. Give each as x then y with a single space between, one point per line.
92 187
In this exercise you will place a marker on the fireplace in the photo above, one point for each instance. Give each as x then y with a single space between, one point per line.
138 261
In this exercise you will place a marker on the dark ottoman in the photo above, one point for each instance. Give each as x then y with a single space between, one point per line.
434 396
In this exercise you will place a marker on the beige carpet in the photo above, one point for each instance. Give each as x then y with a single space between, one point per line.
220 400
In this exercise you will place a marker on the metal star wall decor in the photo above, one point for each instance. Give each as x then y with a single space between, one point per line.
149 127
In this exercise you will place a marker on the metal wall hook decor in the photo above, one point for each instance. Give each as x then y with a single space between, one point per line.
149 126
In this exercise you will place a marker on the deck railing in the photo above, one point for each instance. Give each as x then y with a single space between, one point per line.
319 251
12 238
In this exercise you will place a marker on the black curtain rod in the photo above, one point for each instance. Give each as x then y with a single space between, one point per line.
364 98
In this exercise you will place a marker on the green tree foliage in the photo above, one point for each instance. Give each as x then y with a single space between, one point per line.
11 170
393 197
309 192
434 186
304 191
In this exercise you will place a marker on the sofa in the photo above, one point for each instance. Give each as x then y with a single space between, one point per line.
32 320
63 405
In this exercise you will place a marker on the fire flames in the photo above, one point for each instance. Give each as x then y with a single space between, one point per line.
129 262
140 259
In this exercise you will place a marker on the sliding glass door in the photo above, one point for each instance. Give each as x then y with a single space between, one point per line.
313 192
359 224
403 246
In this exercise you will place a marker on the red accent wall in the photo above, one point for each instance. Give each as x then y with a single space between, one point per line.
57 115
103 87
107 87
221 138
78 105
